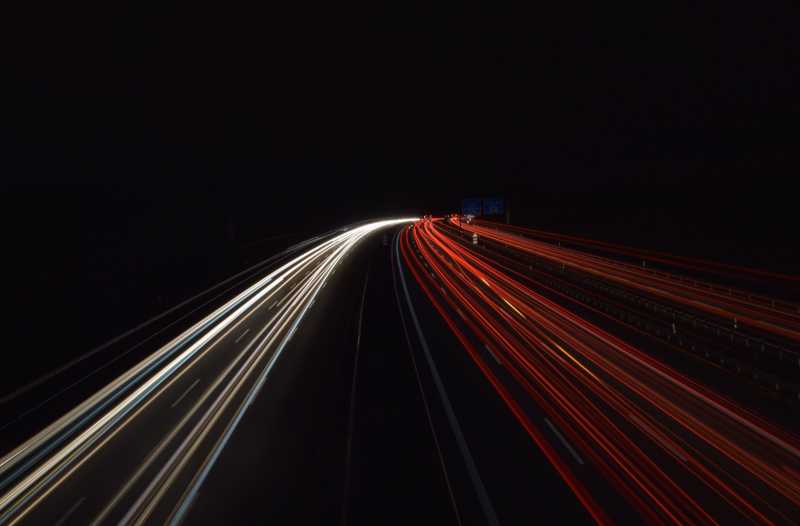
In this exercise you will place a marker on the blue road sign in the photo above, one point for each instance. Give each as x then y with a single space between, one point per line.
493 206
471 207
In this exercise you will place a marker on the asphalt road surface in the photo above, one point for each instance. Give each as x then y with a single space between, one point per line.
387 374
582 349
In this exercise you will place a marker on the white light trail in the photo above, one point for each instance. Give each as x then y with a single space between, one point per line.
36 468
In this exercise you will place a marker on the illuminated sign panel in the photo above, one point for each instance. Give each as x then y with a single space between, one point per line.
471 207
493 206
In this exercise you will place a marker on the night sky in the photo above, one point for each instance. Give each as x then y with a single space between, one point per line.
153 148
176 84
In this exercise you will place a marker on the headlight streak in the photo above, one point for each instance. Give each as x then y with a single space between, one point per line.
48 458
62 428
172 468
190 494
89 436
595 387
167 439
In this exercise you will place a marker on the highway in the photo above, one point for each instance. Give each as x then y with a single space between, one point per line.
632 437
139 449
442 371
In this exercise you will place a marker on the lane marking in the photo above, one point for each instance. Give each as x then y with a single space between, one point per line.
242 335
186 392
352 413
564 441
125 411
190 494
70 511
156 452
361 310
493 354
472 469
424 397
64 458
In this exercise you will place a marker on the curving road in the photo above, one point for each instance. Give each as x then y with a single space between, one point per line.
390 372
139 450
632 437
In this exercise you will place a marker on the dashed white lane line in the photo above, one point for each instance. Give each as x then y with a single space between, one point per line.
181 397
564 441
242 335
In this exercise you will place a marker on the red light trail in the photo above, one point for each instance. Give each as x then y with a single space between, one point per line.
675 450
